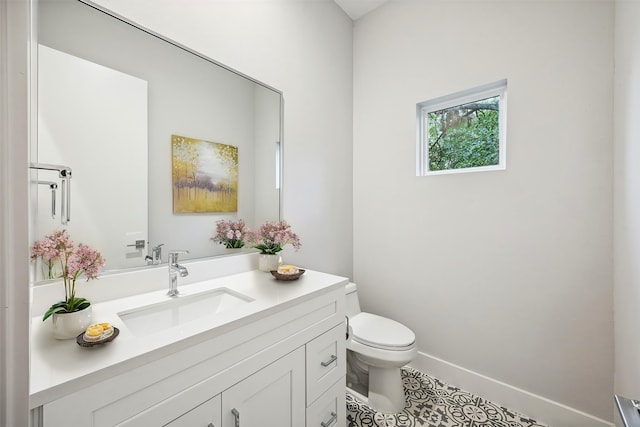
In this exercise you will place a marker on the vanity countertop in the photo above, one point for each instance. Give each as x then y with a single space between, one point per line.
59 367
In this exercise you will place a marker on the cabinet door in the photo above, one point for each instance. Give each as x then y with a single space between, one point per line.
273 396
206 415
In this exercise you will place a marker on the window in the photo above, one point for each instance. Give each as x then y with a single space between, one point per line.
463 132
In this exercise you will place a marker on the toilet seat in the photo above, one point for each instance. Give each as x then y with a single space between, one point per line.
380 332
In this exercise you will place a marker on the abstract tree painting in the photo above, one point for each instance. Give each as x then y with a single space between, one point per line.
204 176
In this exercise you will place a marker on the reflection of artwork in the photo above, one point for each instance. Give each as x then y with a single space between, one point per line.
205 176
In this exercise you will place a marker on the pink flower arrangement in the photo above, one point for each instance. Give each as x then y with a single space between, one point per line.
273 236
232 234
64 260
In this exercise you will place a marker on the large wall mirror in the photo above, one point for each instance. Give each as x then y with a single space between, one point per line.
118 105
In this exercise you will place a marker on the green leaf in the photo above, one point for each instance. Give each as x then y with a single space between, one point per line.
70 306
77 304
56 308
82 305
267 250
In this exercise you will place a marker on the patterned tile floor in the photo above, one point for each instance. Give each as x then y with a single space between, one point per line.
432 403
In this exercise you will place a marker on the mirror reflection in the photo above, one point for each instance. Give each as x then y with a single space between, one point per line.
113 100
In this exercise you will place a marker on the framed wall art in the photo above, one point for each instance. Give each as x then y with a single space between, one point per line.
204 176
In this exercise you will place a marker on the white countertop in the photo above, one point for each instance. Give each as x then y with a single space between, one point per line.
59 367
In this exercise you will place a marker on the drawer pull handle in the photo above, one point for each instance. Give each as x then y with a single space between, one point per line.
334 417
236 415
332 359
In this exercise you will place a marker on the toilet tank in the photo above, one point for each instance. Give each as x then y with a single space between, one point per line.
353 305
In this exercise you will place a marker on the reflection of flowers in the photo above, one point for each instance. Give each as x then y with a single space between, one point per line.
231 234
64 260
273 236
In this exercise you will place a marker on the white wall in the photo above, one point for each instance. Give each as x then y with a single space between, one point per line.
302 48
626 198
14 243
508 273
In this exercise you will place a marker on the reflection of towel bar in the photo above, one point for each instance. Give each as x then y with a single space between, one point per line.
64 173
53 186
139 244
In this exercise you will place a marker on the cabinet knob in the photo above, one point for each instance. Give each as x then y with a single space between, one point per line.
211 425
330 421
332 359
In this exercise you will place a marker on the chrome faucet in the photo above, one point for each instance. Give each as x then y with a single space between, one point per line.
174 269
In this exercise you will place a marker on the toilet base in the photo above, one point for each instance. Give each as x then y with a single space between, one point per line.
386 393
357 374
381 388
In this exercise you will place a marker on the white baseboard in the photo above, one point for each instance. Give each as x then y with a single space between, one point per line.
540 408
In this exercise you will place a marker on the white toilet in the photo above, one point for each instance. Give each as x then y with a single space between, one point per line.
377 348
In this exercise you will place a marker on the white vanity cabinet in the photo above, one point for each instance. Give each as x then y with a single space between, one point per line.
285 367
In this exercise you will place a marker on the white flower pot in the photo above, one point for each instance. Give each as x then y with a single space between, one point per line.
268 262
70 325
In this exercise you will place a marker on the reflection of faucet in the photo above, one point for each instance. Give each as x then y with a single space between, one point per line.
156 255
174 269
64 173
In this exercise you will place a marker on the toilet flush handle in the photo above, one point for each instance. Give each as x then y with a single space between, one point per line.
347 317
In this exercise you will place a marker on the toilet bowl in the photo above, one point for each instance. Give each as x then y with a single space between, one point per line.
377 348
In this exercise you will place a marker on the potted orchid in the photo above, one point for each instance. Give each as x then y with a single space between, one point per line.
270 239
231 234
63 259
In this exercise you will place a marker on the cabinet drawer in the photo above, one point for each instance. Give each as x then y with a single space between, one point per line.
326 356
330 409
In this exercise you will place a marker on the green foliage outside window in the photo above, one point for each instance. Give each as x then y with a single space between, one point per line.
464 136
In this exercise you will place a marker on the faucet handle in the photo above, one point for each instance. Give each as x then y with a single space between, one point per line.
173 255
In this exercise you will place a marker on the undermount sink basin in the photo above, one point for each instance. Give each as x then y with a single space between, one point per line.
179 310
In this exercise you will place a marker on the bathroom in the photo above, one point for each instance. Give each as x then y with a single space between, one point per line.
520 283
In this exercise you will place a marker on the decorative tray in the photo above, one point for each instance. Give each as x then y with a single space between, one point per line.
83 343
287 277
